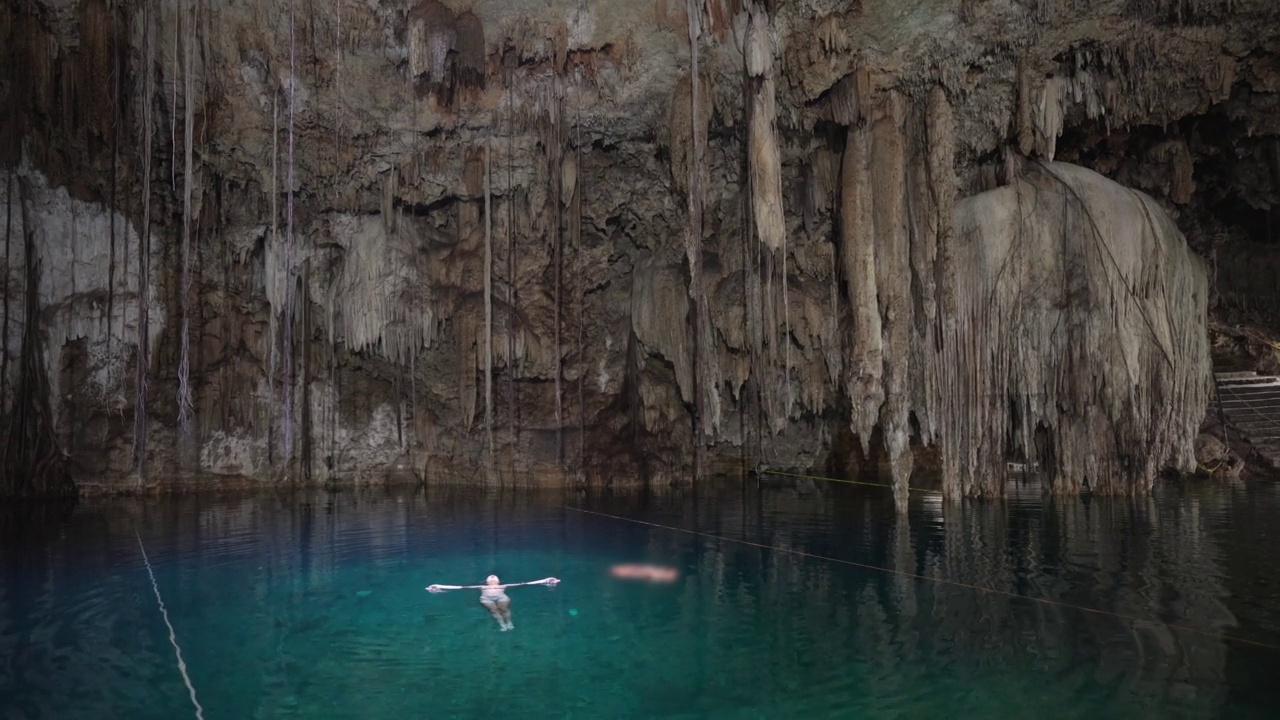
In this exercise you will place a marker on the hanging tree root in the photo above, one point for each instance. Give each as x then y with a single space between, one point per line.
34 465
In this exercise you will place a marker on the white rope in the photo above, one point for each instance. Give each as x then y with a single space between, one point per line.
173 637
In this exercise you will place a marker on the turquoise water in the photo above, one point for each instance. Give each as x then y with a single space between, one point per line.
312 605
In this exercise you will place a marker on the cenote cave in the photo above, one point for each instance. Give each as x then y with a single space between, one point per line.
771 358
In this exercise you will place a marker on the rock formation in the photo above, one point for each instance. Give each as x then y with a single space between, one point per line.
612 242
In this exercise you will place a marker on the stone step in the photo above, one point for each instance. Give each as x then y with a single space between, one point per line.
1249 392
1250 411
1253 395
1251 414
1256 398
1250 403
1249 389
1260 381
1254 418
1235 375
1267 404
1251 383
1242 378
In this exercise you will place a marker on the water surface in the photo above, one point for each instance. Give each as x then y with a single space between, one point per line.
311 605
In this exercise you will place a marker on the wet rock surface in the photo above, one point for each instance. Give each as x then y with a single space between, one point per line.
451 240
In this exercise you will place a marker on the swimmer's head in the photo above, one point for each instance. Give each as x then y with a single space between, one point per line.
491 580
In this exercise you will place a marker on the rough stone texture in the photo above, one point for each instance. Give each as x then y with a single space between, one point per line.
1215 458
839 136
1079 335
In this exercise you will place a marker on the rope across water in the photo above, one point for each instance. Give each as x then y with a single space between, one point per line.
954 583
847 482
173 636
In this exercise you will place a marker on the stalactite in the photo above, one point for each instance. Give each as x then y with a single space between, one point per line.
413 403
751 315
511 271
893 283
144 246
205 64
753 288
185 404
467 326
469 65
488 304
693 246
397 389
765 168
766 158
569 177
939 168
415 165
307 444
680 128
940 125
384 302
922 219
555 165
287 381
273 348
706 377
857 240
575 216
1025 107
1080 341
433 37
8 277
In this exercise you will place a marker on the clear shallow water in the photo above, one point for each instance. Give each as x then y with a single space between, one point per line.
312 606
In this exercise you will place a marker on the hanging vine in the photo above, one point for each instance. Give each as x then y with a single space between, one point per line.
289 280
511 270
488 305
581 275
35 466
185 404
555 167
144 246
113 90
8 277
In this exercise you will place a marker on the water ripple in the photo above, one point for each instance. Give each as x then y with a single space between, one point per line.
312 606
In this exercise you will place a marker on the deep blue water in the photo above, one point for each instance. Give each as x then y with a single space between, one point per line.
311 605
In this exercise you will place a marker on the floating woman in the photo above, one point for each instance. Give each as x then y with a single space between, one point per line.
493 596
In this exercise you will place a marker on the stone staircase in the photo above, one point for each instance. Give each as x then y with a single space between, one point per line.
1250 404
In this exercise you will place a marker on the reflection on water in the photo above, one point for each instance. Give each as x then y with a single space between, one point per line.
311 605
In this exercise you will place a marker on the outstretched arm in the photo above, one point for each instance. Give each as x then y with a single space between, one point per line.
551 582
442 588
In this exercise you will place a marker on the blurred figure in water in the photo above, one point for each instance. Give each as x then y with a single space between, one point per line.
493 596
648 573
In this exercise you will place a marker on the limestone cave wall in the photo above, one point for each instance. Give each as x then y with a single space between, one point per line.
620 242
